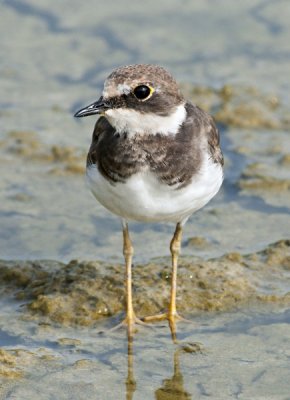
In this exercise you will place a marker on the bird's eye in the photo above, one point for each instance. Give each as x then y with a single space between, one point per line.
142 92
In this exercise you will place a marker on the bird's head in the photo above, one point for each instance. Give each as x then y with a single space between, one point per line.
138 99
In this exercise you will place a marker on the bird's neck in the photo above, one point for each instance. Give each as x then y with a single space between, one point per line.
134 122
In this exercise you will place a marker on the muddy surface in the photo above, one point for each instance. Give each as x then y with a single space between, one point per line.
62 314
81 293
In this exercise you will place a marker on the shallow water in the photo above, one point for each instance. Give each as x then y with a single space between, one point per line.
232 59
241 355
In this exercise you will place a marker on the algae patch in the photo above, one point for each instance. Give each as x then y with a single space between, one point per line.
241 106
81 293
261 176
8 365
14 363
27 145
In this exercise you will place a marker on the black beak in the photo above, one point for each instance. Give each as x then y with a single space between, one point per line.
97 107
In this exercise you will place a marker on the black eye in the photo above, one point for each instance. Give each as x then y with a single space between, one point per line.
142 92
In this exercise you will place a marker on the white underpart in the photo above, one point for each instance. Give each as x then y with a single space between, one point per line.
144 198
133 122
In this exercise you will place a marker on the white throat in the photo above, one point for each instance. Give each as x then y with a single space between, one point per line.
133 122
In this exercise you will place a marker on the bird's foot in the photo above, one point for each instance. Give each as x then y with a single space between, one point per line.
130 323
171 317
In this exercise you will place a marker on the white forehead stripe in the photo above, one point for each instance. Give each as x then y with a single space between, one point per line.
113 91
133 122
123 88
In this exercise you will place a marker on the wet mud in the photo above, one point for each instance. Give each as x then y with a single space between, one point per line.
81 293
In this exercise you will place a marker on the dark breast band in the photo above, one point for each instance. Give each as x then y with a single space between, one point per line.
173 159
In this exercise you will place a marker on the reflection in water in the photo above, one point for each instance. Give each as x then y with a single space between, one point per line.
173 387
130 381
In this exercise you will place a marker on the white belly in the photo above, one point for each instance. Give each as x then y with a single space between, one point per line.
144 198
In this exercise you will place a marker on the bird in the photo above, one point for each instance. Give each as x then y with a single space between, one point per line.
154 157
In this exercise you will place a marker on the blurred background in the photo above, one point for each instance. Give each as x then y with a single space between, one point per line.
231 58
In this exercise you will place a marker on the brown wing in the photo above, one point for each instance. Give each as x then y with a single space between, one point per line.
214 143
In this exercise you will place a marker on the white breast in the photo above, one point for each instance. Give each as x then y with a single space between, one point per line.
144 198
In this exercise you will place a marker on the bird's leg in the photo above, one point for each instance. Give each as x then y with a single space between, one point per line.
128 251
171 314
175 245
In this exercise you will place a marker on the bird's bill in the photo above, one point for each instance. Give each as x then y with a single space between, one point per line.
98 107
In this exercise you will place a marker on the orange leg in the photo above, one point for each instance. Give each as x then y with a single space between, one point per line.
130 320
171 315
